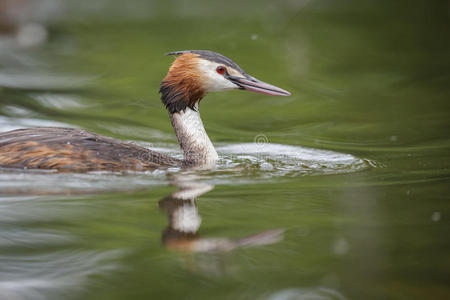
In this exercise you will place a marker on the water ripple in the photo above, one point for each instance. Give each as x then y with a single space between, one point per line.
276 160
239 163
53 275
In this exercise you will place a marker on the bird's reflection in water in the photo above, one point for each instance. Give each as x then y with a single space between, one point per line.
184 222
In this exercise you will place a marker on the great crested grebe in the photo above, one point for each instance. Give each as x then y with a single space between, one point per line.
191 76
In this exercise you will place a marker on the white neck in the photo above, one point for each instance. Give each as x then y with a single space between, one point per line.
197 147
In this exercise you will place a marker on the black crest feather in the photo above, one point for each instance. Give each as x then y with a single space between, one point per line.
211 56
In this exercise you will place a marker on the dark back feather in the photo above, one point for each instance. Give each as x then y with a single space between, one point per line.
68 149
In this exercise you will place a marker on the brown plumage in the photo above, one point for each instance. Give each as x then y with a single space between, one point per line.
182 86
75 150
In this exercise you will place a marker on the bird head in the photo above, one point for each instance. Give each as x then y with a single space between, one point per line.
194 73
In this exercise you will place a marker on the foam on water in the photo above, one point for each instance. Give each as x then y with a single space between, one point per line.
286 160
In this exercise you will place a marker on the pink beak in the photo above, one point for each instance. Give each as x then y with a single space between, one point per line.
257 86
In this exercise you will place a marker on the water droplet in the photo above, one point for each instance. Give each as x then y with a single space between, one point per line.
341 246
436 216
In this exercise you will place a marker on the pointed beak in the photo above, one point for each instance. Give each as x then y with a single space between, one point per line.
254 85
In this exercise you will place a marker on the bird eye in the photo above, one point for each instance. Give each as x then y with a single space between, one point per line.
221 70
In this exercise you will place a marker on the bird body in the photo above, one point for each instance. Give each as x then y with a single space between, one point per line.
75 150
191 76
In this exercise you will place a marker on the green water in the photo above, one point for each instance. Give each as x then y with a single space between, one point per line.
369 220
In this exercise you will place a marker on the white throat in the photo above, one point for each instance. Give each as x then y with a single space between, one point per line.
194 141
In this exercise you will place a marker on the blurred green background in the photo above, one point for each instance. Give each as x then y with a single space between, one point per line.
368 78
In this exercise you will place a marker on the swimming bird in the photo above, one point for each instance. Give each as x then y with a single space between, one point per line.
191 76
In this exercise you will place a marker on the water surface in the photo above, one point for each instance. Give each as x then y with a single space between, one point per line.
337 192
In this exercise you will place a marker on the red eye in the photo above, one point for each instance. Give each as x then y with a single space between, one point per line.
221 70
